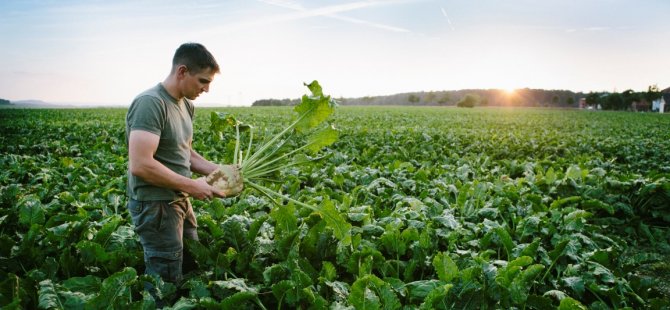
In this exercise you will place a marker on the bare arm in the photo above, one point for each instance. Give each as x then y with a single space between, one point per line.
141 148
201 165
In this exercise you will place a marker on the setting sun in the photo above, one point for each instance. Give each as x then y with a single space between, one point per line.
509 91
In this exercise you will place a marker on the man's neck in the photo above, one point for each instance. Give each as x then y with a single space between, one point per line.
170 86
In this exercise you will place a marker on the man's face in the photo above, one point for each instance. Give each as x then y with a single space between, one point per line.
196 83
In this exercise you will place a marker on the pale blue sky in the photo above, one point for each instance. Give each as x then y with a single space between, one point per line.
108 51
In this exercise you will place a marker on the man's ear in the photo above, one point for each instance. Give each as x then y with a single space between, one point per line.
182 70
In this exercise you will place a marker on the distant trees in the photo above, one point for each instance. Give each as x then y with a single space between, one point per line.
626 100
525 97
652 93
5 101
469 101
444 99
429 97
613 101
592 99
275 102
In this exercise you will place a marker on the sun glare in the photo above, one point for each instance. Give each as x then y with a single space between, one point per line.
510 91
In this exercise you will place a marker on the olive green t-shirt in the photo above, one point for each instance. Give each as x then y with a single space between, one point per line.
157 112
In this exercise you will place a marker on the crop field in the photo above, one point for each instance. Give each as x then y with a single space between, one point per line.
438 208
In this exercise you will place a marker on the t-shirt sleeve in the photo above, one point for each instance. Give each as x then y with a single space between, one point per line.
147 113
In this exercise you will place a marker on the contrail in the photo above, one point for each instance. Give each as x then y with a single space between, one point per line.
330 11
444 12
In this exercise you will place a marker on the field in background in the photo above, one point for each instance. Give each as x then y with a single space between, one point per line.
450 208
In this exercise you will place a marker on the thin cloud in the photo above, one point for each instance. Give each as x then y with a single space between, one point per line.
597 28
589 29
331 11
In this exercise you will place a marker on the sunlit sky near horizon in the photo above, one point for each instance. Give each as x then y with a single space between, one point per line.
106 52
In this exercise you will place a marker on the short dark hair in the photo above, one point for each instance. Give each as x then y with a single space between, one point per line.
195 57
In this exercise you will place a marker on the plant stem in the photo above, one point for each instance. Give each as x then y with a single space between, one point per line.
267 145
251 141
268 191
237 143
252 169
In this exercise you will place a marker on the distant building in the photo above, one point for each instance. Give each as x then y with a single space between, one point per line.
658 105
582 103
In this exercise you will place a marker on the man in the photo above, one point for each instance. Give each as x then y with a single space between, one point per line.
159 134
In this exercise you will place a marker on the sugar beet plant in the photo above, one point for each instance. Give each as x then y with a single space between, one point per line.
259 164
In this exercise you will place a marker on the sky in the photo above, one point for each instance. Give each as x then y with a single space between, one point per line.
106 52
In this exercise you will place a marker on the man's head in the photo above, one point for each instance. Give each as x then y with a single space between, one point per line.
193 67
195 57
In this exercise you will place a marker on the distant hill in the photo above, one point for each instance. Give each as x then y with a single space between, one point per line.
28 104
486 97
39 104
33 103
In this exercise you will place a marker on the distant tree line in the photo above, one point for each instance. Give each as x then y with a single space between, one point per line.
626 100
525 97
275 102
475 97
5 101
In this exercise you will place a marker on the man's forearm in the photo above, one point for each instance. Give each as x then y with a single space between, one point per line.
200 165
157 174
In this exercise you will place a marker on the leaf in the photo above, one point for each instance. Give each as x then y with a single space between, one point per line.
235 228
392 240
116 288
315 88
92 252
322 138
285 290
88 284
574 283
48 298
328 271
506 240
214 228
445 267
314 109
30 211
521 283
340 289
574 172
285 219
597 204
568 303
418 290
198 289
238 284
237 300
341 228
185 304
222 121
107 229
565 201
602 272
550 177
521 262
435 296
531 249
370 292
539 302
200 252
559 250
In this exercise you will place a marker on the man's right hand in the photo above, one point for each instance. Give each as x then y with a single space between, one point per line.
203 191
